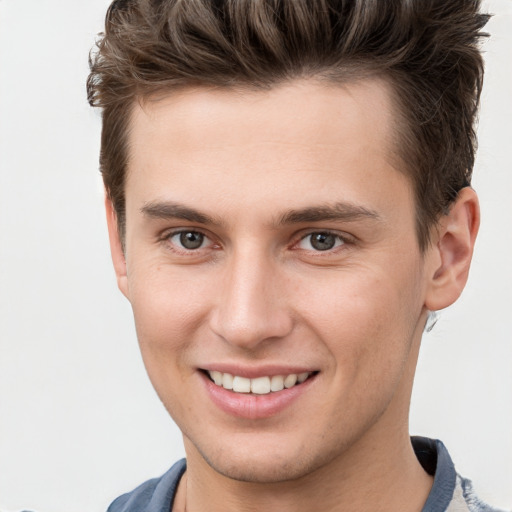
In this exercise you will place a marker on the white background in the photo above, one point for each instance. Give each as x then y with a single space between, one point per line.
79 422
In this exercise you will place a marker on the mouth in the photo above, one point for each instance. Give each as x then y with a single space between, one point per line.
263 385
256 394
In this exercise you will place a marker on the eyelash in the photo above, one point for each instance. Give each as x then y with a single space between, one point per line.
341 241
169 235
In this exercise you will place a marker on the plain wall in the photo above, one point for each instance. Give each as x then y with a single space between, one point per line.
79 422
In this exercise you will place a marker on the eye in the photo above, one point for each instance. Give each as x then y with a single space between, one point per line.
320 241
189 240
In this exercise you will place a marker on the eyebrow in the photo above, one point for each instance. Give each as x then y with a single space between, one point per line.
346 212
170 210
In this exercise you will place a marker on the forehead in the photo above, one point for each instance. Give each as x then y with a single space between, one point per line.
333 112
301 141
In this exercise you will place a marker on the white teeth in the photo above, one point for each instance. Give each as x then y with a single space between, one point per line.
290 380
217 377
259 385
302 377
241 384
277 383
227 381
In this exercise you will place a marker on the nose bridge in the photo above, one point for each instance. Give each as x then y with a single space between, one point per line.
250 308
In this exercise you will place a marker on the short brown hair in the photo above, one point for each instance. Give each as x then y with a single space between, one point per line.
427 49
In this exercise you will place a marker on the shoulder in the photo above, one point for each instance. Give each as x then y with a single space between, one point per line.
464 494
450 492
155 495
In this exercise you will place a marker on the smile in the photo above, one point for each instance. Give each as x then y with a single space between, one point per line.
259 385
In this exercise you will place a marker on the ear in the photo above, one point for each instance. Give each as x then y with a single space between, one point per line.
452 251
116 247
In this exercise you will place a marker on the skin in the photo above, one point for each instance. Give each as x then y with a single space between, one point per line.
257 294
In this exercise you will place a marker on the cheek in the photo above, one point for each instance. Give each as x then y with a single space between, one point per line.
167 310
367 327
168 307
366 318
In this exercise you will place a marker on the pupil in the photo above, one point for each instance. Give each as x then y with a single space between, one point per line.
191 239
323 241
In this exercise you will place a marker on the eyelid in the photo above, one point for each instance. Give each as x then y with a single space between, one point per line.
166 235
344 237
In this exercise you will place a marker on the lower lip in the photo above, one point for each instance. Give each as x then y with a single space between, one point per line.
251 406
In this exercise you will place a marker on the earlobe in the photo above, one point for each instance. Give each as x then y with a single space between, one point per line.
452 251
116 247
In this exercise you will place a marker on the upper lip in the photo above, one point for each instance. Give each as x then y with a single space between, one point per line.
253 372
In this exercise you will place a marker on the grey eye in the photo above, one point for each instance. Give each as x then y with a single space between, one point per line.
189 239
320 241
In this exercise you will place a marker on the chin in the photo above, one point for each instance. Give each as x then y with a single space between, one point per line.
270 471
264 464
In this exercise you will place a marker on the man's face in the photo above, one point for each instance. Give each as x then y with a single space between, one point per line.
269 235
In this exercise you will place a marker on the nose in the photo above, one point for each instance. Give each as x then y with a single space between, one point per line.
251 307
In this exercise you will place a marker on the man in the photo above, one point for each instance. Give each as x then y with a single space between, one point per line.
288 201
